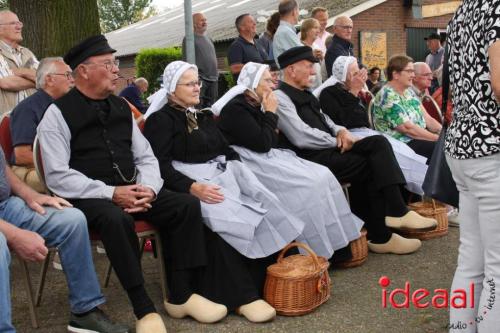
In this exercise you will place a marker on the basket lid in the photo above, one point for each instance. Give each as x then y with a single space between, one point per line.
298 265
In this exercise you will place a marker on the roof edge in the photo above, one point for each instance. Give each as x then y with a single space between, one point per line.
356 10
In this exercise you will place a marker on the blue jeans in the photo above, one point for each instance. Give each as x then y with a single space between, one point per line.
5 323
67 230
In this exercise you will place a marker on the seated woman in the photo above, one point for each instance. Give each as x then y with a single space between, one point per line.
399 113
339 99
247 117
195 158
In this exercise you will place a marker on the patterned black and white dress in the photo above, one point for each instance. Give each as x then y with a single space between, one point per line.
475 129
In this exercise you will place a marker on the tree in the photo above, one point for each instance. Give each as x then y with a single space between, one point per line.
119 13
52 27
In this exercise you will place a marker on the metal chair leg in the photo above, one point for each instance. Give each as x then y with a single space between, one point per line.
29 290
43 275
163 274
109 269
345 188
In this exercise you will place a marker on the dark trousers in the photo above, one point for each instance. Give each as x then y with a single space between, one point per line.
197 259
208 93
178 219
423 147
370 166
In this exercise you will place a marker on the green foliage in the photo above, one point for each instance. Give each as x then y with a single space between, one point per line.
4 4
150 64
228 76
115 14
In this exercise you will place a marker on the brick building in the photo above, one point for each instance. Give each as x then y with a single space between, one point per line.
403 24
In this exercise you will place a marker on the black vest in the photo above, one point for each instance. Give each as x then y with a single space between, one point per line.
308 110
101 150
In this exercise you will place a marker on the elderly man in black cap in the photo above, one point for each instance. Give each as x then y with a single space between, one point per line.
95 156
435 58
368 164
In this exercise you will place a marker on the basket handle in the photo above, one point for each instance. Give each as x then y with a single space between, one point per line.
302 246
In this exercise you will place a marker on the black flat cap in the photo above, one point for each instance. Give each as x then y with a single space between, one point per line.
92 46
295 54
272 65
433 36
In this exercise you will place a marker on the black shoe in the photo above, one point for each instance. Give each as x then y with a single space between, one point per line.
95 321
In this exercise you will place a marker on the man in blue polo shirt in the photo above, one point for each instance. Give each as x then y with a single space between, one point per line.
244 48
133 92
53 80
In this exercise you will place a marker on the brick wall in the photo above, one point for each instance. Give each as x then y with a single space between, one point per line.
393 18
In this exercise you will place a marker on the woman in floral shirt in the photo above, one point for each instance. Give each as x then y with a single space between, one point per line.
399 113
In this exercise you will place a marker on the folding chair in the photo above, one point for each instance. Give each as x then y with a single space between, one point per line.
143 229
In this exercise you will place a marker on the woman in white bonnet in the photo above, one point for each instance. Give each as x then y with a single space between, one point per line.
249 222
339 99
310 191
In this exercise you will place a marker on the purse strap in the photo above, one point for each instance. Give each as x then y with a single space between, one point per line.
445 85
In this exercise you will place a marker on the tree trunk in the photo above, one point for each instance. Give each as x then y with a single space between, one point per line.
52 27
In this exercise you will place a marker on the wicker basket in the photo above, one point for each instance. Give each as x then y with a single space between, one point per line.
359 250
434 210
297 284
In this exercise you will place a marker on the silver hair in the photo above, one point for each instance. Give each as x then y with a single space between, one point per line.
46 66
140 80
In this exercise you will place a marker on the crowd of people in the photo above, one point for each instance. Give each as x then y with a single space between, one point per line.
228 181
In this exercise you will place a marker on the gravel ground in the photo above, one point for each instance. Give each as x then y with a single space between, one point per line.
355 304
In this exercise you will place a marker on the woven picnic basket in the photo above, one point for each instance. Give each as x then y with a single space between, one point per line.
359 251
297 284
433 209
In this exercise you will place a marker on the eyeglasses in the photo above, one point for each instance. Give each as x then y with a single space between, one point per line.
410 71
108 64
192 84
13 23
425 75
268 80
345 27
69 75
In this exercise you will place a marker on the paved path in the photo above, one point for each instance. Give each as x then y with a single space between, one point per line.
355 304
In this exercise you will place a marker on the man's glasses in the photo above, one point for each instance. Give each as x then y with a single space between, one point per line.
192 84
345 27
428 75
68 75
108 64
13 23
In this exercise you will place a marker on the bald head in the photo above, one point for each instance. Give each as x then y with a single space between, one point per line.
342 27
423 76
199 23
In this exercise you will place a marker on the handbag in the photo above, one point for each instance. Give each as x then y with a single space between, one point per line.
438 182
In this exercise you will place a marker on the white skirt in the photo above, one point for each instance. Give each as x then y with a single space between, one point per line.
310 192
251 218
412 164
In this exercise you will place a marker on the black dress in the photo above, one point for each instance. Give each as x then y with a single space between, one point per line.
245 125
229 278
343 108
